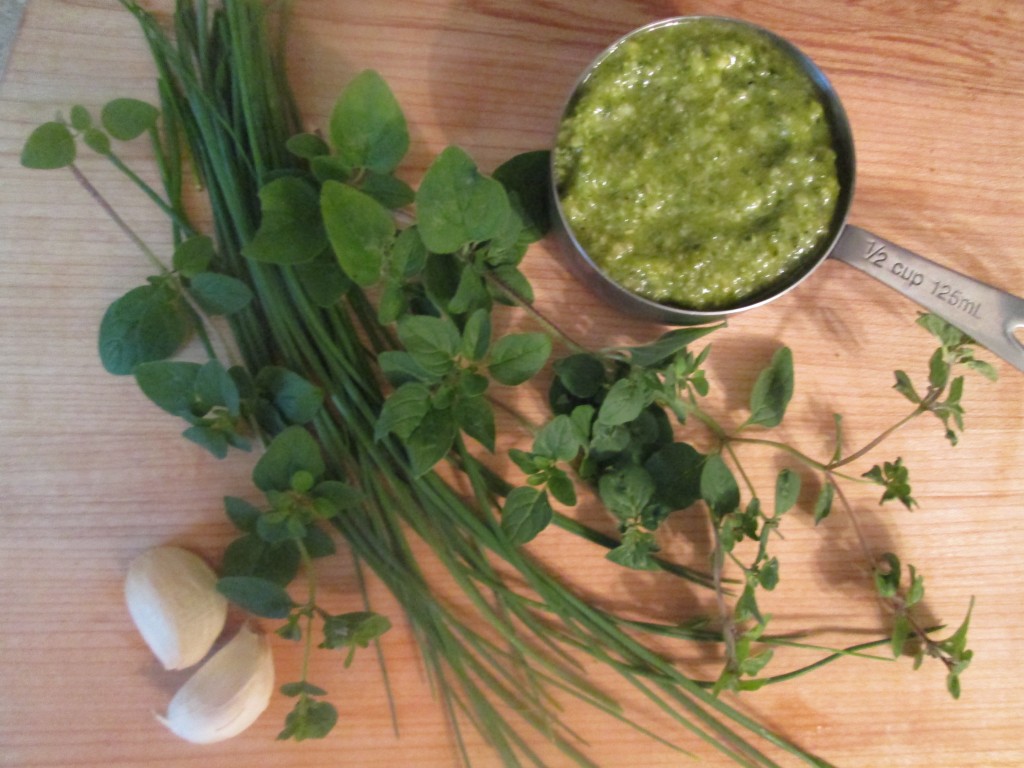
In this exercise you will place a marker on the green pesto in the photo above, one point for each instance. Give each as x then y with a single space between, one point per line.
696 166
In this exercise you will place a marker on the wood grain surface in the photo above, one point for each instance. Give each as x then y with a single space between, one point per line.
91 473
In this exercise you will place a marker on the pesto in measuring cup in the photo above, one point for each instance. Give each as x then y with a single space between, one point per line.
696 166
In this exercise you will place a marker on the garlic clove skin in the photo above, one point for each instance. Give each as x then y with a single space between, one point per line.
172 597
226 694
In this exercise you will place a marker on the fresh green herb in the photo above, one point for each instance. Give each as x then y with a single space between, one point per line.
357 403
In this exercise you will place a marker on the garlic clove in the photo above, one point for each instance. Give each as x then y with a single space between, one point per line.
226 694
173 599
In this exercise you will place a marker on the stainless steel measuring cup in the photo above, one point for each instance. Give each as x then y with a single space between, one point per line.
991 316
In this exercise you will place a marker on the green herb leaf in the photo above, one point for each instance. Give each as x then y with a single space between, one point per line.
169 384
901 631
526 176
193 255
677 469
718 486
216 387
433 342
340 495
213 440
431 440
323 279
625 401
250 555
787 491
518 357
309 719
476 419
354 630
403 411
470 294
456 205
582 375
243 514
772 390
626 491
291 451
147 323
636 551
367 127
127 119
318 542
291 229
887 575
297 399
387 190
905 387
261 597
561 487
361 231
81 119
51 145
302 687
558 439
307 146
668 345
96 140
218 294
476 335
526 513
823 504
895 478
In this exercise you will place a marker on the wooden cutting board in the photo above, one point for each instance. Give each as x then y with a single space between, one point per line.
91 473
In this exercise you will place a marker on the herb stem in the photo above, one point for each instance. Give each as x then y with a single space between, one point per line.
879 439
108 209
162 204
539 317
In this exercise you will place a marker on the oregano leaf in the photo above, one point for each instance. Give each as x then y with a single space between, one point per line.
219 294
787 491
361 231
309 719
718 486
49 146
81 119
307 146
517 357
677 469
403 411
525 514
96 140
367 126
823 504
126 119
772 390
526 176
193 255
170 384
147 323
291 229
296 398
456 205
293 450
625 401
259 596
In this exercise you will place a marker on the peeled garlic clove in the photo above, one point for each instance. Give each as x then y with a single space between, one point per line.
173 599
226 694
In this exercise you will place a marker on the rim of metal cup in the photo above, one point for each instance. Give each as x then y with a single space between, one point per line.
587 270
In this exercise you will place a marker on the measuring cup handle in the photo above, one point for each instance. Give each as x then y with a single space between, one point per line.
987 314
